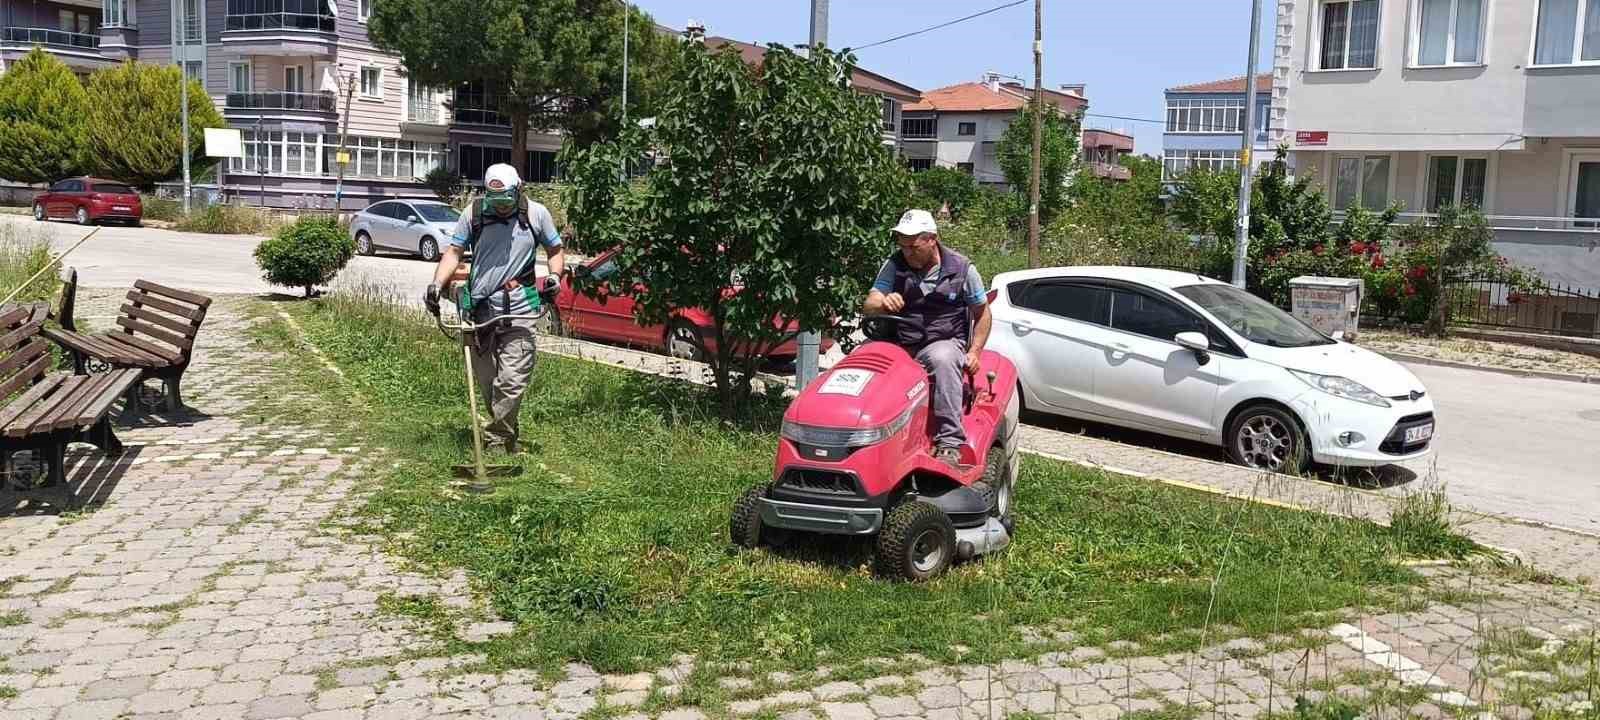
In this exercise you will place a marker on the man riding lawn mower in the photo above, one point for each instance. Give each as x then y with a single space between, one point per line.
871 449
497 299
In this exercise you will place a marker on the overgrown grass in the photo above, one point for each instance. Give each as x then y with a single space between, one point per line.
226 220
24 252
1421 524
163 209
612 548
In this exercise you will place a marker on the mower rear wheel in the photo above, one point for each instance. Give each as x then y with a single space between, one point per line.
996 487
917 542
744 528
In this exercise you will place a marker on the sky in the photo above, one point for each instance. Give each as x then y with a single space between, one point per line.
1127 51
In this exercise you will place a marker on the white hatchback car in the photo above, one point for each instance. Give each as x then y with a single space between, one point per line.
1191 357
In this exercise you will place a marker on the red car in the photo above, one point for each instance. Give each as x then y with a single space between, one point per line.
89 200
688 335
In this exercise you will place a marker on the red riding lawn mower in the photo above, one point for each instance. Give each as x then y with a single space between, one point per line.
856 458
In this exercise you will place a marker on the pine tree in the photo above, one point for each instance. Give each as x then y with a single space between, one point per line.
42 130
135 126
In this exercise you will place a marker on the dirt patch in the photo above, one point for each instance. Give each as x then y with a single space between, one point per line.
1483 353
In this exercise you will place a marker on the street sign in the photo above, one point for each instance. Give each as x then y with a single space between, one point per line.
341 157
224 143
1311 137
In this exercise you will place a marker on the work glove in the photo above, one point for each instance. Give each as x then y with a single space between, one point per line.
549 286
430 299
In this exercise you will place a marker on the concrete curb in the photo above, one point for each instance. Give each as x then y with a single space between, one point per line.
1534 374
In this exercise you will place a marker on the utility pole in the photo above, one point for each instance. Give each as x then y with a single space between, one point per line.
1038 132
627 15
342 155
182 7
806 364
1241 239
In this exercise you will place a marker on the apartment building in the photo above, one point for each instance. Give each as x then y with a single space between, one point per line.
959 126
1205 125
1492 103
276 70
1103 150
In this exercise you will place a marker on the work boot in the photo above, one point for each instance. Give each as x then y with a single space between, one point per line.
949 455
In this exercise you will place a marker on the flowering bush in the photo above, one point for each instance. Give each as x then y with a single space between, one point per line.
1453 247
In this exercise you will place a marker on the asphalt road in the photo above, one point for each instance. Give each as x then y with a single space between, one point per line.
1508 445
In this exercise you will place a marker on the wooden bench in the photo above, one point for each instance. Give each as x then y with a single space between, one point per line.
45 411
155 335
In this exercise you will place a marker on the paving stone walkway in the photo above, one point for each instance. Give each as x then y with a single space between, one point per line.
211 577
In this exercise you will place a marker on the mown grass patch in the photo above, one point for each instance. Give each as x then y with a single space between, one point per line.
612 549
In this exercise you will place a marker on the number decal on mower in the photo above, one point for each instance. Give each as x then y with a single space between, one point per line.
846 382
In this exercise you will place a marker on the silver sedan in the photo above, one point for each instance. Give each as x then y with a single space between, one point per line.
417 227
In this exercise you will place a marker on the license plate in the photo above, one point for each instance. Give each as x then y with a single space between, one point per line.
1419 433
123 208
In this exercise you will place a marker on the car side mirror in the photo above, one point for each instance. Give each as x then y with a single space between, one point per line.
1338 335
1196 343
412 220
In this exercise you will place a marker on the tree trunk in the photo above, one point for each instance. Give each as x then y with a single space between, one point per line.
1437 322
519 142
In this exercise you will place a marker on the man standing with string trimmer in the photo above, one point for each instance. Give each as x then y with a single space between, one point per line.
503 231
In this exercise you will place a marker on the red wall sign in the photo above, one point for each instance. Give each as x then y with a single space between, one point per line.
1311 137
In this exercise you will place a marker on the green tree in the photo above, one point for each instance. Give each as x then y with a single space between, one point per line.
551 64
941 186
135 123
1058 157
1114 222
306 254
769 209
42 132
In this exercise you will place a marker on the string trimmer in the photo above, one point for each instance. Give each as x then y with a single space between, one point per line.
458 326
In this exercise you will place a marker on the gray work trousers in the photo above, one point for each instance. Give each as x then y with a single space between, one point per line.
946 360
503 362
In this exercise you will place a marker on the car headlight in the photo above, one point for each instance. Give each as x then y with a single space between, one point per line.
1342 387
845 437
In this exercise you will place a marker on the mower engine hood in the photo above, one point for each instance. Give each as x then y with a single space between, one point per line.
871 388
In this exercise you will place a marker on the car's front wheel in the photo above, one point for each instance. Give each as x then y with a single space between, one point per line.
1270 438
428 249
83 216
683 341
363 243
38 212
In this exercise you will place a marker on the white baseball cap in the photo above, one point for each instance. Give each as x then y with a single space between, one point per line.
501 177
916 222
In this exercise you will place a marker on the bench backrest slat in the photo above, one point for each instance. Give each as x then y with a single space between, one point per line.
202 301
156 349
34 370
135 326
186 312
178 326
16 315
161 320
15 336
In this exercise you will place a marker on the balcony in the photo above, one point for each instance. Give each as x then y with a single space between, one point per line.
1111 171
280 21
282 28
312 102
425 114
50 38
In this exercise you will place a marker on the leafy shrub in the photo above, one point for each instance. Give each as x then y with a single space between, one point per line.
444 183
308 253
20 257
163 209
549 195
225 220
941 186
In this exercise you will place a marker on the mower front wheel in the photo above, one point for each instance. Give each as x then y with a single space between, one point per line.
917 542
745 527
997 489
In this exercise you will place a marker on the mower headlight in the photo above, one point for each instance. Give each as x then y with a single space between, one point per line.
845 437
1342 387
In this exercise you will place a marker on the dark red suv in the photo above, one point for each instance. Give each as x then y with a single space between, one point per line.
89 200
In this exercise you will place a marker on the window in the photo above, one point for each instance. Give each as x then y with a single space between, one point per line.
1585 190
1178 162
1142 314
1205 115
193 16
913 128
1349 34
422 103
477 104
919 164
298 154
1456 181
1449 32
112 189
118 13
294 78
891 113
967 128
1084 303
474 159
1361 180
195 70
363 9
372 82
964 167
1568 32
239 78
76 22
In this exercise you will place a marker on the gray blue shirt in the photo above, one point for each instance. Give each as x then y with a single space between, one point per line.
503 252
975 292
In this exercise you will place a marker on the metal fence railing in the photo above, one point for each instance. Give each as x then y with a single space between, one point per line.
1542 308
50 37
282 100
281 21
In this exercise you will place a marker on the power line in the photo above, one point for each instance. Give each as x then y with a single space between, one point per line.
1124 117
915 33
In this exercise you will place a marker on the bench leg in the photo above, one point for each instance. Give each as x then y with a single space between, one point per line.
174 392
130 404
103 436
55 460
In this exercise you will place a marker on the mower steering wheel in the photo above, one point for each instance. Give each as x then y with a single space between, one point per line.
886 327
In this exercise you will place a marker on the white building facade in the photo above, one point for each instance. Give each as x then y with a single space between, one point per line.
1492 103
